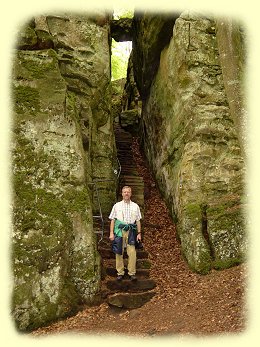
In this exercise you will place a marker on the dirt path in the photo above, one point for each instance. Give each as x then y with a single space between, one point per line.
186 303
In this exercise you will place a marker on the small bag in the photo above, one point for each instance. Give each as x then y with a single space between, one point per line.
139 245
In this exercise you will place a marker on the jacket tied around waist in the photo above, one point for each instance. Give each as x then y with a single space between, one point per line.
117 244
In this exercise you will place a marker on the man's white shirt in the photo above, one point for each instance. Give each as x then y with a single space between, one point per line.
126 212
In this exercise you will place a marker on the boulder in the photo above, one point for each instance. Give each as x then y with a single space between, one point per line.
130 120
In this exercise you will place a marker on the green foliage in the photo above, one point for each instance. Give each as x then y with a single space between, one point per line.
119 59
120 50
123 13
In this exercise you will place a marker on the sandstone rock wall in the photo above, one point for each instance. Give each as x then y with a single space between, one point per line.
192 145
232 47
62 141
150 35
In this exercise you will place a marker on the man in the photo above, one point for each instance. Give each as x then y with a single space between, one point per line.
125 230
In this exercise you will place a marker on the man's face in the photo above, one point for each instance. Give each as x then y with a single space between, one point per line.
126 193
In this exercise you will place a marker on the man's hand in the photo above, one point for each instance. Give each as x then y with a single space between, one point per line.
138 237
111 237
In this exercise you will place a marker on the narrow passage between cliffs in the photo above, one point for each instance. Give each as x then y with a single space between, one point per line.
183 303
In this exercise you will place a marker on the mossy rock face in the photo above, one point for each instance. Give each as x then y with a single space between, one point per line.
26 97
55 261
232 46
27 38
35 35
150 35
83 52
34 65
117 88
227 231
192 145
193 243
56 131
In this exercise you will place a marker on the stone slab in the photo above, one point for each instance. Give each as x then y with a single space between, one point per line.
133 300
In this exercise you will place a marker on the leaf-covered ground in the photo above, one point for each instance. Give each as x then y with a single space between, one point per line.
185 303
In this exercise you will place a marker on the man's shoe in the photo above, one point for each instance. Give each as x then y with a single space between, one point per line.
119 278
133 278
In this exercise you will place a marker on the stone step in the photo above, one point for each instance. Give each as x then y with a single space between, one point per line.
129 171
127 160
142 273
125 165
133 178
130 286
133 181
124 149
137 187
122 132
123 154
123 137
130 300
127 294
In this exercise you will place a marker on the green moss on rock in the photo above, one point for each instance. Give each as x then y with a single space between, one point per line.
27 38
26 97
227 263
44 246
37 63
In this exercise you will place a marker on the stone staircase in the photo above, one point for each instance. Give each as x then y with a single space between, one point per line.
129 174
126 293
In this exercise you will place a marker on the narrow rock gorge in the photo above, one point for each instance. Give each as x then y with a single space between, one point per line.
183 98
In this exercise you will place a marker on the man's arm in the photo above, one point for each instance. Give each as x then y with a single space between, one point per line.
112 225
139 237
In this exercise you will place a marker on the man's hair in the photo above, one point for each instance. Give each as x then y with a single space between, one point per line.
127 187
